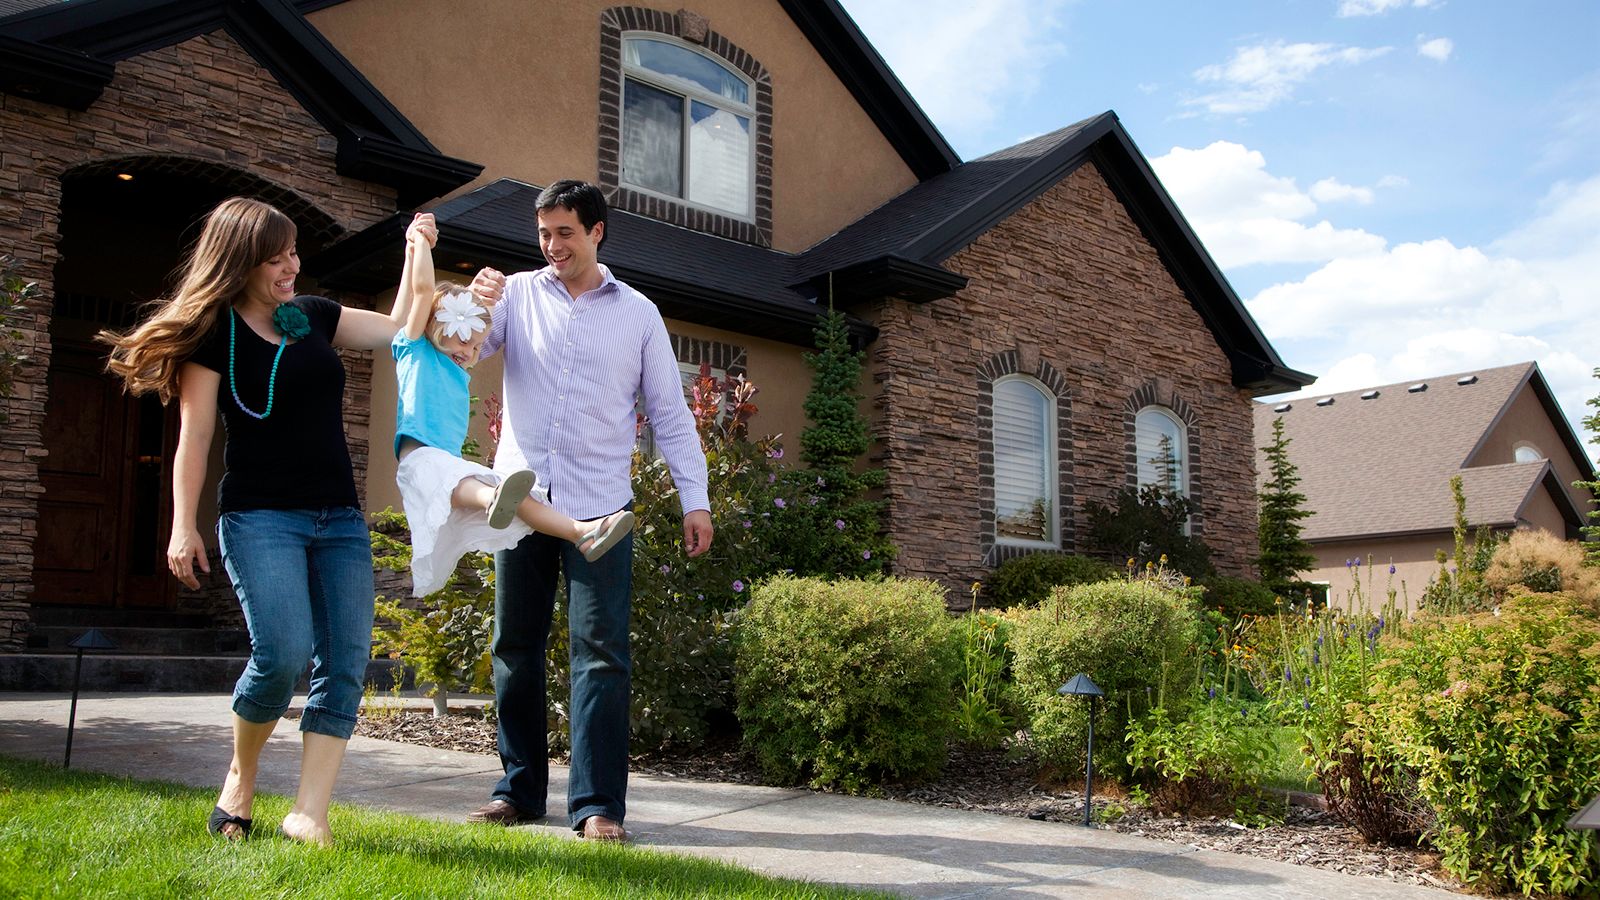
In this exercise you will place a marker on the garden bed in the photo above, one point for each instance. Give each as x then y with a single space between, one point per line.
990 782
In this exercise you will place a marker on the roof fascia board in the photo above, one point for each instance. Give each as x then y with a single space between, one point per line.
869 79
1552 483
1534 377
114 30
886 276
51 74
1506 403
1412 533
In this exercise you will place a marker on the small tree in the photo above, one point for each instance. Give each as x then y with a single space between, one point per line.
1591 547
1284 553
824 522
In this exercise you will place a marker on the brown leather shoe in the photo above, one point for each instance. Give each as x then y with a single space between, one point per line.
600 828
499 812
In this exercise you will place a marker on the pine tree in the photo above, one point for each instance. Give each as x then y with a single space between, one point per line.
1284 553
1591 547
829 525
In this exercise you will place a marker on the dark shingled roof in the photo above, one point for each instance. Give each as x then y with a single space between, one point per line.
1382 466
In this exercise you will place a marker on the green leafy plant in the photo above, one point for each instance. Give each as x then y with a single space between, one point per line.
1284 554
1236 597
1028 580
983 714
15 295
1133 637
1205 760
846 683
1591 531
1145 524
1499 714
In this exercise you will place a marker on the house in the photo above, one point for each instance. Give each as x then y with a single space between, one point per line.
1038 320
1375 467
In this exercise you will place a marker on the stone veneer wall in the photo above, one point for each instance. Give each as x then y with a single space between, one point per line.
203 99
1067 286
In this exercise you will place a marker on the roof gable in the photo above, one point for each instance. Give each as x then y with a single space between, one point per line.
66 54
1378 461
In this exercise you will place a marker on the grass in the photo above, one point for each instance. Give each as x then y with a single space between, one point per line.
75 834
1287 769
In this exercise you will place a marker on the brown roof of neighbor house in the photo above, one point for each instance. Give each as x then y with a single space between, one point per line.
1378 461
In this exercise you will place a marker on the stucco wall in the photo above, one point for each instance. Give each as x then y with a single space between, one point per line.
515 86
1526 421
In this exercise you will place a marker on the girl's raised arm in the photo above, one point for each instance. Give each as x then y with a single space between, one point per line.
363 329
419 281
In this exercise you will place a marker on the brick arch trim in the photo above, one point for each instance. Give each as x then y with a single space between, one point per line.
1152 394
1049 378
322 228
695 29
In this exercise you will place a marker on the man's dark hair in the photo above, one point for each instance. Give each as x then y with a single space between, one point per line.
581 197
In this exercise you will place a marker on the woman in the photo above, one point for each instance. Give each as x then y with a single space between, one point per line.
234 338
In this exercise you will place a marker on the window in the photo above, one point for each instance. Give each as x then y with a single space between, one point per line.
687 373
686 126
1161 449
1526 452
1024 463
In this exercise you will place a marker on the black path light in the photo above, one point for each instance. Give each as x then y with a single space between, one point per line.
1082 685
1588 817
93 639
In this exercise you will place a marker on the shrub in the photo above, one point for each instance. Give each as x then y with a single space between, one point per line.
1237 597
1500 716
846 684
1459 587
1284 552
1542 563
1205 761
1028 580
1146 524
1132 637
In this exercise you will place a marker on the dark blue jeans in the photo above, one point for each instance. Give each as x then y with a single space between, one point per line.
599 601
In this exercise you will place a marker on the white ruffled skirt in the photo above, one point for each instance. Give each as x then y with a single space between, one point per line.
440 533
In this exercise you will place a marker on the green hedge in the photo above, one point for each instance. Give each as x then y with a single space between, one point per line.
847 683
1235 597
1028 580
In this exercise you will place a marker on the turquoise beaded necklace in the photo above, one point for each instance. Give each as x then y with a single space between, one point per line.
272 379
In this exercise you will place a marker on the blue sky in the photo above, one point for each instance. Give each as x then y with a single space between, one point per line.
1397 189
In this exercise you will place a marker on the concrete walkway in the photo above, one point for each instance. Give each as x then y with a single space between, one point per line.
916 851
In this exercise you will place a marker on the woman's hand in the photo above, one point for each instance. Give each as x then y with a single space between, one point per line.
185 552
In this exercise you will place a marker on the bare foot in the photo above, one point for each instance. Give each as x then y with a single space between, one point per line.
301 828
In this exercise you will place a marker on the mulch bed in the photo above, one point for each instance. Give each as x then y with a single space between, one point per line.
992 782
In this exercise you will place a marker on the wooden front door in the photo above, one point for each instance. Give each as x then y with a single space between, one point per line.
106 512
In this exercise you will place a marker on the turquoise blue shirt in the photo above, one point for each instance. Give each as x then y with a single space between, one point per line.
434 399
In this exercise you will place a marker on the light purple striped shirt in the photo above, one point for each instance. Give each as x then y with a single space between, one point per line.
572 370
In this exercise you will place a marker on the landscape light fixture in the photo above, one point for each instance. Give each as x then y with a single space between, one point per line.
93 639
1082 685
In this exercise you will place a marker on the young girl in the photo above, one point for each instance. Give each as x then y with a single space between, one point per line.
452 504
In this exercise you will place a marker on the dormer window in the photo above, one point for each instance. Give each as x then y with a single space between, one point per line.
686 126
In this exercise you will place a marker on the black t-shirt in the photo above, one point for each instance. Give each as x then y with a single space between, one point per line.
295 458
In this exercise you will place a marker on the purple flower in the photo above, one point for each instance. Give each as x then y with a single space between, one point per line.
699 596
779 502
1391 568
813 501
839 524
1287 674
747 523
665 569
866 554
1306 703
775 453
771 477
738 586
820 482
1211 693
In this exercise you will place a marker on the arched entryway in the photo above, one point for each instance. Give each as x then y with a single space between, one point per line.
105 516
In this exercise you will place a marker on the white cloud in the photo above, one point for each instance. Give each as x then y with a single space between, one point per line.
1332 190
1013 39
1437 49
1393 181
1349 8
1266 74
1245 215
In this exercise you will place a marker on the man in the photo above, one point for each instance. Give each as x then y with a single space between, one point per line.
579 346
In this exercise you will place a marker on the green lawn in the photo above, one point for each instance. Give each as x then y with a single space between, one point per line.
74 834
1287 769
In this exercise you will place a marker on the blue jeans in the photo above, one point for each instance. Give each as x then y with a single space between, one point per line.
304 578
599 601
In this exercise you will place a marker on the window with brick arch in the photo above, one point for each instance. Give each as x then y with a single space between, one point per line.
1026 506
1161 447
687 126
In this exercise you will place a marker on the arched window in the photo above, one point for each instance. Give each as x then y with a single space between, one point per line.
687 126
1162 451
1526 452
1025 481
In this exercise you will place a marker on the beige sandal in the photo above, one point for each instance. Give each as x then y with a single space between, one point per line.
508 494
611 530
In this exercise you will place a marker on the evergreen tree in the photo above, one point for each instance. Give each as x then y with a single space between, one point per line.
828 525
1592 546
1284 553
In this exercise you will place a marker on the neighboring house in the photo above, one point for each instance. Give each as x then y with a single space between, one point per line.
1376 465
1041 322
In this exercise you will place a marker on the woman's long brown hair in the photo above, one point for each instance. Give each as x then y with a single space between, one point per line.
239 235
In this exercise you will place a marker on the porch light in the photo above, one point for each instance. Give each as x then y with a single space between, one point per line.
124 176
1082 685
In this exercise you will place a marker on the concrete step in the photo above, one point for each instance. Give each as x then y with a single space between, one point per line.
142 641
124 672
84 617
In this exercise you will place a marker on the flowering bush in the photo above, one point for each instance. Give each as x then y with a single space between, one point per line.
1540 562
846 683
1499 714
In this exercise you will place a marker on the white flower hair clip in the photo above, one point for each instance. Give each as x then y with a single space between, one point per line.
460 315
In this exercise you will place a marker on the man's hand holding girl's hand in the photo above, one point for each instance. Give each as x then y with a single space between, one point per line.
488 286
424 228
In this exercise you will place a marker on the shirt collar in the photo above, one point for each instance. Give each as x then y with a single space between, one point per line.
607 280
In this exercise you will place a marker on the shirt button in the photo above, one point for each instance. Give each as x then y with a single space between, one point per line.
565 371
558 424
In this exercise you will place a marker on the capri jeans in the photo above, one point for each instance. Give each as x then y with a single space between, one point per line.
304 579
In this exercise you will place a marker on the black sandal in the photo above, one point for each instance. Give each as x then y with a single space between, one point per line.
220 819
